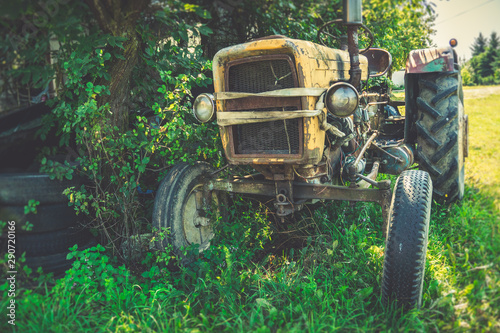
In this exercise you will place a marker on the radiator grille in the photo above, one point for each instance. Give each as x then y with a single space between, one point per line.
260 76
273 137
281 137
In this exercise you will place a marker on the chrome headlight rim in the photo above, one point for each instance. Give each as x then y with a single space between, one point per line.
209 101
345 110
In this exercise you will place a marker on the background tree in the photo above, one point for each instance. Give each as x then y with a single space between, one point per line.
485 65
494 41
118 18
479 45
399 26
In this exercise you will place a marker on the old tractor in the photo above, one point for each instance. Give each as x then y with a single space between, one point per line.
296 112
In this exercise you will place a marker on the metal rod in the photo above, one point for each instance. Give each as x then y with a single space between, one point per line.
219 170
363 150
375 103
372 176
379 96
387 153
368 180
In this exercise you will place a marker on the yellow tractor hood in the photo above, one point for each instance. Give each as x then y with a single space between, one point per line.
316 65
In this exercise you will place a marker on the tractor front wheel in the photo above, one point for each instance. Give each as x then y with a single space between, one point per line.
406 242
177 210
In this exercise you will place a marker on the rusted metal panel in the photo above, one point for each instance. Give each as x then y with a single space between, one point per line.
430 60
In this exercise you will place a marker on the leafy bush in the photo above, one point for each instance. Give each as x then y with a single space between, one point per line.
467 79
161 129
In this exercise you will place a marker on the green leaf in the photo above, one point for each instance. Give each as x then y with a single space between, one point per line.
184 35
204 30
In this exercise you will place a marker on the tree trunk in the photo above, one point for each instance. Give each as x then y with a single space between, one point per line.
119 18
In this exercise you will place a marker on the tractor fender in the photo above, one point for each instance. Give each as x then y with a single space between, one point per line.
430 60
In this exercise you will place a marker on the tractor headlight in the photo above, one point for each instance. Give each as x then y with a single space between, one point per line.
204 108
342 99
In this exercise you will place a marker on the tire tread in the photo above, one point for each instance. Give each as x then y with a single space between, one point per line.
439 149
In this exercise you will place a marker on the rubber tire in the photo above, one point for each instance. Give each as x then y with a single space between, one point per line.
56 263
19 188
407 238
171 198
44 244
440 133
48 217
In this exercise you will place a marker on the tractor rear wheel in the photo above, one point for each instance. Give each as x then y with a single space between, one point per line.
406 242
441 133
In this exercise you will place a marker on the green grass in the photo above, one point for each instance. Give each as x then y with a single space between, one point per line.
320 272
482 166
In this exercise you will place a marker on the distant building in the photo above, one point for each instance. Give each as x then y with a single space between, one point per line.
398 78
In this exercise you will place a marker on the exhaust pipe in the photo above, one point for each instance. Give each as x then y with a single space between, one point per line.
353 19
352 12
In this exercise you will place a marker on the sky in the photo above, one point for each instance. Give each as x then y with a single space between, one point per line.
464 20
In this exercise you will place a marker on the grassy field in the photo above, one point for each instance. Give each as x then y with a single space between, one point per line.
320 273
484 132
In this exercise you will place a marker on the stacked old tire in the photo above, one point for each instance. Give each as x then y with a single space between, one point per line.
55 226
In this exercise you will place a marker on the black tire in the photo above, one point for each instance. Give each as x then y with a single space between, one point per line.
56 263
175 208
440 133
48 217
19 188
44 244
407 237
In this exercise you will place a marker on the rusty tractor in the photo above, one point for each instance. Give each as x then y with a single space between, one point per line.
295 112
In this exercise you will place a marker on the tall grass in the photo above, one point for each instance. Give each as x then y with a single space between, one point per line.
319 272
